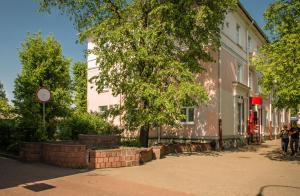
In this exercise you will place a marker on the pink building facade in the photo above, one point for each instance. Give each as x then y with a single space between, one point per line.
231 83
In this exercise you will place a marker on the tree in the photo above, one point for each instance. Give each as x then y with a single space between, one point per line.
279 61
4 106
80 86
42 65
2 92
150 52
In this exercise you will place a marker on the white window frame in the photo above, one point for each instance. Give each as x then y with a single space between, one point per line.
240 114
101 111
249 44
251 80
187 120
240 72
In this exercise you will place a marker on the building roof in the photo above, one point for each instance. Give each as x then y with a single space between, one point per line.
253 21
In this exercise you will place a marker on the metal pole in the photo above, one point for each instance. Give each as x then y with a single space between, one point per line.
44 123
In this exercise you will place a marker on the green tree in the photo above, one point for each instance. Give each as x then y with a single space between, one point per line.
279 61
150 52
4 106
80 86
42 65
2 92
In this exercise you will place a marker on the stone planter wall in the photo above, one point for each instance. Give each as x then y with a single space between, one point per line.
113 158
146 154
99 141
65 155
31 152
59 154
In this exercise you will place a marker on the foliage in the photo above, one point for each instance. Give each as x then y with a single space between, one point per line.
42 65
150 52
130 142
10 135
279 61
80 85
2 92
84 123
5 108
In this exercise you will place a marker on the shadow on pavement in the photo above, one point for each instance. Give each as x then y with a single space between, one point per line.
250 148
14 173
277 155
261 190
206 153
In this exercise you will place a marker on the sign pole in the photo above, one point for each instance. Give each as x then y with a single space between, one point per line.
44 96
44 121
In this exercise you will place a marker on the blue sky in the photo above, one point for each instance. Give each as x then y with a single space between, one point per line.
19 17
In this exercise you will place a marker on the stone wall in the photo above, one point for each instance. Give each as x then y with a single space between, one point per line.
99 141
30 151
113 158
146 154
59 153
65 155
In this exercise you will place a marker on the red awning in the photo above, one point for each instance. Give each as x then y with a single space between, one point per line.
256 100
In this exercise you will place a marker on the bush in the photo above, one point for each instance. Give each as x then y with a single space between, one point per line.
130 142
84 123
10 135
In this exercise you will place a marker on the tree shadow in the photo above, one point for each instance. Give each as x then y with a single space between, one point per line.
277 155
204 153
14 173
261 190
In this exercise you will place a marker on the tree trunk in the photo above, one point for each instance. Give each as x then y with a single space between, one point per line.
144 133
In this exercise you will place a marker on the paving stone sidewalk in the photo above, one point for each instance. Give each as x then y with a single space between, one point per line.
253 170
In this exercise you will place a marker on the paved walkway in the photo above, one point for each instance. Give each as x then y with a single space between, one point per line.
255 170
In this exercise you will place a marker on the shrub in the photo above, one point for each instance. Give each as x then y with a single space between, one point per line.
10 135
130 142
84 123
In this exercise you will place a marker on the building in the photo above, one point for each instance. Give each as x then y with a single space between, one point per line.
235 106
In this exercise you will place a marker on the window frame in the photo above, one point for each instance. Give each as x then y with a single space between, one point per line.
240 73
102 111
187 120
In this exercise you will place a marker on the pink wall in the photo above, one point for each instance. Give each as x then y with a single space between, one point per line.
95 99
206 116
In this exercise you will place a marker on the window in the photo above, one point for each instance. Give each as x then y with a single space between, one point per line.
103 108
115 106
188 112
239 73
238 28
249 44
227 24
251 80
240 115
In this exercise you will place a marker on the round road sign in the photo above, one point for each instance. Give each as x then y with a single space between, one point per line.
43 94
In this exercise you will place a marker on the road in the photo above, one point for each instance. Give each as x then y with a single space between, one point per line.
253 170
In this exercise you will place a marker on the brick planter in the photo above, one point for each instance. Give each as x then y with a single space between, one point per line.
31 151
99 141
146 155
65 155
125 157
